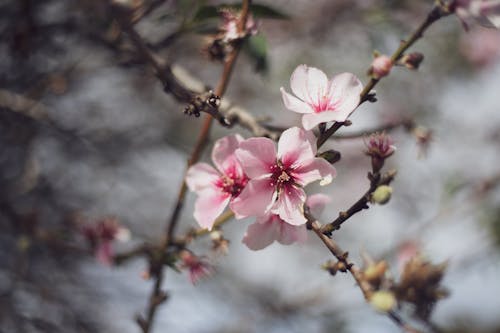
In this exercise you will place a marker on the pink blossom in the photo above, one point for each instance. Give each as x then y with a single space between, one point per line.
101 236
216 188
380 145
485 12
271 227
229 28
277 179
319 99
198 268
481 47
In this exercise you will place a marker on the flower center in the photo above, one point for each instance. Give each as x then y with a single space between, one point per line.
280 176
325 103
232 184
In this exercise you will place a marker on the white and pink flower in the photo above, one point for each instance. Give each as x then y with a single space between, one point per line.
216 188
271 227
485 12
277 178
319 99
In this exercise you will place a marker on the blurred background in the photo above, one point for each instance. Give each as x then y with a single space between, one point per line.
86 131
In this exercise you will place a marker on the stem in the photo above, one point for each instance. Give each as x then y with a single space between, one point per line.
375 181
356 273
157 293
435 14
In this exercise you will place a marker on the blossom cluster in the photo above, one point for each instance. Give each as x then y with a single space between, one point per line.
257 179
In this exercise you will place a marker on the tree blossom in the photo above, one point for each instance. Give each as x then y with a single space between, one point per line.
277 179
216 188
229 29
271 227
485 12
101 236
198 268
319 99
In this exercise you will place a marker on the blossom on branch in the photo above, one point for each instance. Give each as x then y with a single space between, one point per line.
270 227
101 236
216 188
277 178
197 267
319 99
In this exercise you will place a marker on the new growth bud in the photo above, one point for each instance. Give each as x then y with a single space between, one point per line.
383 301
412 60
381 195
381 66
379 147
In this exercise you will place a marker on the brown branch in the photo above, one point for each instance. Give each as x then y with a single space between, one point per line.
375 181
356 273
437 12
158 296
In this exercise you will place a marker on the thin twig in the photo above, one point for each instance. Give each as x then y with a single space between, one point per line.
356 273
375 181
157 295
437 12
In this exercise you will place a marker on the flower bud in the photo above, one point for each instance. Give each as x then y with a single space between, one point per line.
381 66
381 195
412 60
332 156
383 300
375 272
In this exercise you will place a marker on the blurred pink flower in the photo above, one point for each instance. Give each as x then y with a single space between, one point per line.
485 12
481 47
101 236
271 227
319 99
216 188
230 26
276 180
198 268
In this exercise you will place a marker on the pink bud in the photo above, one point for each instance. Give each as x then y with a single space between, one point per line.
381 66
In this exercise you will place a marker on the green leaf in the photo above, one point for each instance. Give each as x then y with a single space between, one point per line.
258 11
256 48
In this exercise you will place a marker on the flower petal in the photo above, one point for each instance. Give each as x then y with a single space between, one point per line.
317 85
345 90
294 104
256 199
296 147
289 234
298 82
309 121
290 205
201 176
317 203
316 169
261 234
256 156
209 205
223 151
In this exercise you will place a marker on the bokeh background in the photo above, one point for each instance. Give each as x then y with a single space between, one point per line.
86 130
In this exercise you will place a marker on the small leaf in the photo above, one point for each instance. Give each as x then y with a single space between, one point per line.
256 48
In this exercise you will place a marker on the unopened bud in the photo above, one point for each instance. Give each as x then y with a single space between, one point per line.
412 60
332 156
375 272
383 301
381 195
381 66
